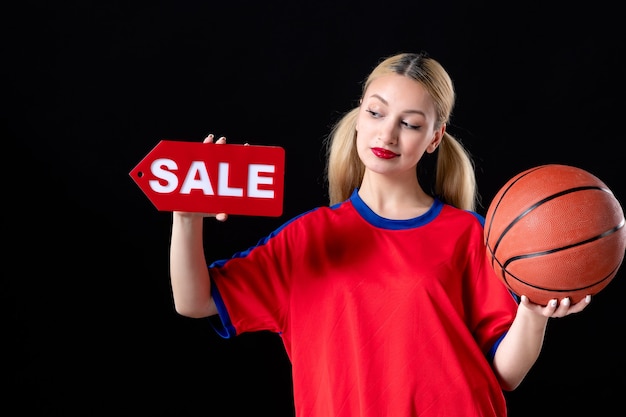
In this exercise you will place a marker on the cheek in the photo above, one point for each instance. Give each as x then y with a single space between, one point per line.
361 144
359 140
363 120
417 149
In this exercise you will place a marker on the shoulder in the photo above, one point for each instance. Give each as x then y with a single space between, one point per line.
462 216
316 216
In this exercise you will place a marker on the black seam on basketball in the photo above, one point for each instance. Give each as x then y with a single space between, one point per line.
539 203
506 274
562 248
495 210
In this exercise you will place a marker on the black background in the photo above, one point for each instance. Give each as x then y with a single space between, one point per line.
91 87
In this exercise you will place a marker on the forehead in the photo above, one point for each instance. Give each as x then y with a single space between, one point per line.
399 91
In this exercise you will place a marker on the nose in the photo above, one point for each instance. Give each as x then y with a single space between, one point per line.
388 133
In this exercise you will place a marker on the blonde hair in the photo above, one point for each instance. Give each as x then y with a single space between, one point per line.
455 179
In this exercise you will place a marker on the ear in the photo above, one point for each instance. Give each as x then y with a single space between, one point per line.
437 138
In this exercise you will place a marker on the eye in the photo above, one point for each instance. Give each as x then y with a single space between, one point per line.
410 126
374 114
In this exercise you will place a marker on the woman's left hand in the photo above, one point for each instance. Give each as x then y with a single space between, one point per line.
556 309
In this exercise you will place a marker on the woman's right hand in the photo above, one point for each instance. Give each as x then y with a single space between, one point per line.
218 216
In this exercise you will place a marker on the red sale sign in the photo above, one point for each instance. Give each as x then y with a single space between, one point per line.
209 178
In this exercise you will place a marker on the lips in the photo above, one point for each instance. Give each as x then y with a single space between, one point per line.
384 153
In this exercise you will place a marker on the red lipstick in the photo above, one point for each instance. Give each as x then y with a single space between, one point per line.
384 153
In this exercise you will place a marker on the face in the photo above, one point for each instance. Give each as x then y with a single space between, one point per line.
396 125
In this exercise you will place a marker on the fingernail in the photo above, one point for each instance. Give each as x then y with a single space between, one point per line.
552 303
588 299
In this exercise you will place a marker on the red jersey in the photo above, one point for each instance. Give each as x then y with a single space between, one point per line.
378 317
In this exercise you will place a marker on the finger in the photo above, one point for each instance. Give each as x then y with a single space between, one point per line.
209 139
536 308
525 301
550 308
563 307
580 306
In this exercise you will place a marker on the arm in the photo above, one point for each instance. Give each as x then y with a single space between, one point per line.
521 346
189 274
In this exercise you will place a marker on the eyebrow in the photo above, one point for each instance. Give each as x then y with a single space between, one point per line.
406 111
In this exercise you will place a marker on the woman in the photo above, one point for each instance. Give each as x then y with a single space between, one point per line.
384 299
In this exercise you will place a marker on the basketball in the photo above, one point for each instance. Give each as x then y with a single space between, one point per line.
555 231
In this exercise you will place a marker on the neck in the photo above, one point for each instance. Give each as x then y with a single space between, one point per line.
395 200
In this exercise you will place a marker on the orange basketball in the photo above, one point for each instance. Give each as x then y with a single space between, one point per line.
555 231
